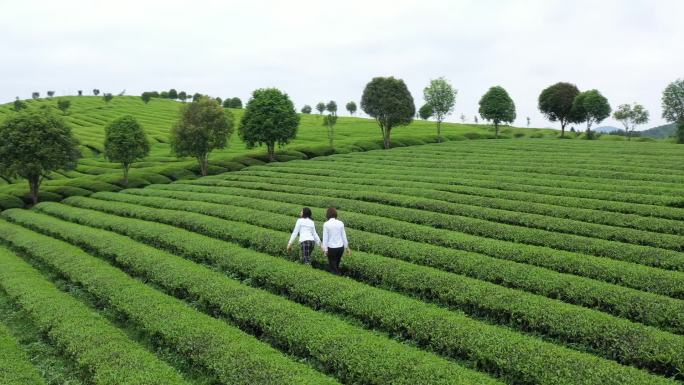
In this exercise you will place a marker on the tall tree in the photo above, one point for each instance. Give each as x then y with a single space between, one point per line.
183 96
441 96
125 143
306 109
34 144
673 106
351 108
107 97
269 118
202 127
63 105
389 101
498 107
425 111
173 94
146 97
320 107
555 102
330 120
631 116
590 107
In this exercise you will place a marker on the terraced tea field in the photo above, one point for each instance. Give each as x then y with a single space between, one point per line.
475 262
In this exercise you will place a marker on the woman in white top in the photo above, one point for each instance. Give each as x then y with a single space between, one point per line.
306 229
334 240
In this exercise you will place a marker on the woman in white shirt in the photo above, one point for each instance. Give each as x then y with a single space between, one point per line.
334 240
306 229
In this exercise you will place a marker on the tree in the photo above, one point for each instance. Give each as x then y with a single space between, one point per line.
631 116
528 122
226 103
164 94
196 97
555 102
320 107
173 94
475 119
306 109
463 118
673 106
218 100
182 96
351 107
35 95
107 97
63 105
330 120
389 101
590 107
269 118
34 144
19 105
441 96
146 97
425 111
80 92
125 143
96 91
498 107
202 127
235 102
50 94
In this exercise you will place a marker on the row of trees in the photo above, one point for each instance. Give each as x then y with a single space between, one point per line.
183 96
322 107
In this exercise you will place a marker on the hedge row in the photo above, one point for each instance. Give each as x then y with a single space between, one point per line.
593 330
568 208
230 354
352 354
520 358
15 368
670 283
104 352
481 211
651 309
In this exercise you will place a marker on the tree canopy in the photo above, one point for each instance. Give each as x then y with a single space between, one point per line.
125 142
34 144
425 111
320 107
389 101
590 107
351 107
631 116
673 106
202 127
330 120
269 118
441 97
63 105
107 97
498 107
173 94
555 102
306 109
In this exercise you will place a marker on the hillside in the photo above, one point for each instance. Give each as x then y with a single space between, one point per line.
88 115
660 132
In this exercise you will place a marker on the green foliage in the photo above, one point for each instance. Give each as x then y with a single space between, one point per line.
196 97
320 107
351 107
202 127
19 105
50 94
35 95
555 102
173 94
125 143
63 105
306 109
389 101
441 97
673 106
96 91
107 97
146 97
497 106
631 116
425 111
590 107
15 368
182 96
36 143
269 118
235 102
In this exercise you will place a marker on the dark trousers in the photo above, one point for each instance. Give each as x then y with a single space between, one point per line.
334 257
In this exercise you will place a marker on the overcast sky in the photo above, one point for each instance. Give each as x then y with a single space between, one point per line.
321 50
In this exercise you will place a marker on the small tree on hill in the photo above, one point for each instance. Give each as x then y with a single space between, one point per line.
173 94
425 112
96 92
50 94
19 105
389 101
673 106
146 97
330 120
63 105
235 102
107 97
202 127
528 122
498 107
226 103
125 143
320 107
164 94
592 108
35 95
475 119
196 96
351 107
306 109
80 92
34 144
269 118
183 96
631 116
441 96
555 102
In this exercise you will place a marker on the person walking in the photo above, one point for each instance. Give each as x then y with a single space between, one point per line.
306 229
334 240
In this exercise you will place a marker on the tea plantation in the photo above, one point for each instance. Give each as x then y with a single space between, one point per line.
531 261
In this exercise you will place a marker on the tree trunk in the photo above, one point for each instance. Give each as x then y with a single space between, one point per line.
496 130
126 166
680 131
330 135
439 131
271 151
563 123
386 140
34 186
203 161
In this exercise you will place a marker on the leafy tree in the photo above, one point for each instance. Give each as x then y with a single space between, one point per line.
226 103
96 91
555 102
125 143
19 105
306 109
498 107
320 107
330 120
107 97
173 94
590 107
269 118
425 112
50 94
146 97
631 116
673 106
34 144
63 105
196 97
441 96
235 102
80 92
182 96
35 95
164 94
389 101
475 119
202 127
528 122
154 94
351 107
